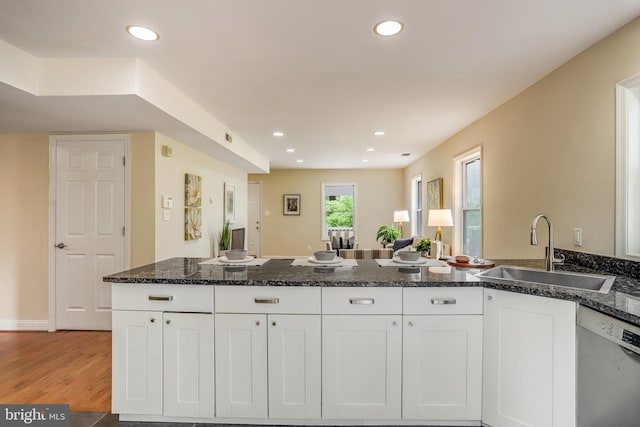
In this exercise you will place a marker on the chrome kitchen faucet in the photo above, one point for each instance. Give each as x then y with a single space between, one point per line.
550 260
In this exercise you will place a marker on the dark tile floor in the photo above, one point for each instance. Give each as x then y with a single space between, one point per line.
106 419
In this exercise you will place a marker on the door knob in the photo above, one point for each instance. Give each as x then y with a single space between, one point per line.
61 245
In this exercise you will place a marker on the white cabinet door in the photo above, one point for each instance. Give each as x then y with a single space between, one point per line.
361 366
188 365
241 365
137 362
294 366
442 367
529 361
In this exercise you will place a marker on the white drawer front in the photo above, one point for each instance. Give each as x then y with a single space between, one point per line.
362 300
267 299
442 300
156 297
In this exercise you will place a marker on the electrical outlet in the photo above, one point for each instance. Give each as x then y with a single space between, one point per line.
309 249
166 215
577 236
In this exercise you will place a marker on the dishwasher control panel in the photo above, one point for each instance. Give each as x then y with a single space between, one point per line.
613 329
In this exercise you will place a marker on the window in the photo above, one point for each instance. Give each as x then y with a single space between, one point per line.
628 169
338 211
416 206
468 203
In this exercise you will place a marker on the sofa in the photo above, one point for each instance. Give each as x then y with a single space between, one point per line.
382 253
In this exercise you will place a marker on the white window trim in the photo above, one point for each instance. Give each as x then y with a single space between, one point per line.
414 201
624 99
324 236
458 172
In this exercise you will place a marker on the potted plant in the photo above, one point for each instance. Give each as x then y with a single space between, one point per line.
224 237
424 246
387 235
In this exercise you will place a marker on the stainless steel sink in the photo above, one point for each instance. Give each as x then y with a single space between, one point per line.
565 279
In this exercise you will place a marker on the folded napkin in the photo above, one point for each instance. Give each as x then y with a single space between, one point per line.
246 262
306 262
420 263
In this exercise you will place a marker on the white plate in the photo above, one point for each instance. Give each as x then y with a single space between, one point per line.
336 260
420 260
226 260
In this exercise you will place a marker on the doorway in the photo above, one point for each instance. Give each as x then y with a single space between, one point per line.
88 215
254 239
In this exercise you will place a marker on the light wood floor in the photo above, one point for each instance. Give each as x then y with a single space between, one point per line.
72 367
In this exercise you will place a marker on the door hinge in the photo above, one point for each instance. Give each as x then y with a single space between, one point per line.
123 231
124 161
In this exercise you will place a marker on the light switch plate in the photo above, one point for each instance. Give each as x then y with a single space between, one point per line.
167 202
577 236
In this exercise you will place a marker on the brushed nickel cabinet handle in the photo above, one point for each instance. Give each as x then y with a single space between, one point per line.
266 300
160 298
442 301
362 301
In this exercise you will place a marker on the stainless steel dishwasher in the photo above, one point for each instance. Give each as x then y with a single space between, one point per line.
608 392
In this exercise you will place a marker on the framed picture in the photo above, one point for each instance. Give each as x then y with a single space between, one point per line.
291 204
192 190
230 202
192 223
192 207
434 194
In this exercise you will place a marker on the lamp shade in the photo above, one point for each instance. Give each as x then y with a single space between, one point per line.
400 216
440 218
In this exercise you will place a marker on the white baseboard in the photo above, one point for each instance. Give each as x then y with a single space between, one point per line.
23 325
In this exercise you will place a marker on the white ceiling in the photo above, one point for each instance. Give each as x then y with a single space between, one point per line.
311 68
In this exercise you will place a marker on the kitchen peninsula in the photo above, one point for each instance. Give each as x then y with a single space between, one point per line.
278 344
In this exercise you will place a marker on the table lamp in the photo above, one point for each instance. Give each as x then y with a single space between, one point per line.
400 217
440 218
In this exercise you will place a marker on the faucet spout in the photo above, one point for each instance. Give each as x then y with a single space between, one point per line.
550 259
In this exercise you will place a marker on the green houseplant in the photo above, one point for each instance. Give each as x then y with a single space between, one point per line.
424 246
387 234
224 236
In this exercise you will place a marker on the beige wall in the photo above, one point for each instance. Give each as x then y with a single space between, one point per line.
24 185
378 194
550 149
142 241
169 178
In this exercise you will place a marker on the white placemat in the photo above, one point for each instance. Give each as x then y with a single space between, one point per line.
428 263
305 262
246 263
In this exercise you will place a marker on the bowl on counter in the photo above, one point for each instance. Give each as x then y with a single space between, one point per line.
324 255
409 255
236 254
462 259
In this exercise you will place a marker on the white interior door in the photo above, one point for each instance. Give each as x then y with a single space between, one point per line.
254 222
89 228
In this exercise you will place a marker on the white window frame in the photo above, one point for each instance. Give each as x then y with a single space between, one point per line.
324 231
627 165
416 211
458 201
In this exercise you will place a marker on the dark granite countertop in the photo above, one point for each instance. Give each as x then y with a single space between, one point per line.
623 301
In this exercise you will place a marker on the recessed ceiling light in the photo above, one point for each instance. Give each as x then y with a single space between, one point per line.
371 149
365 160
291 150
388 28
379 133
142 33
299 161
278 133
